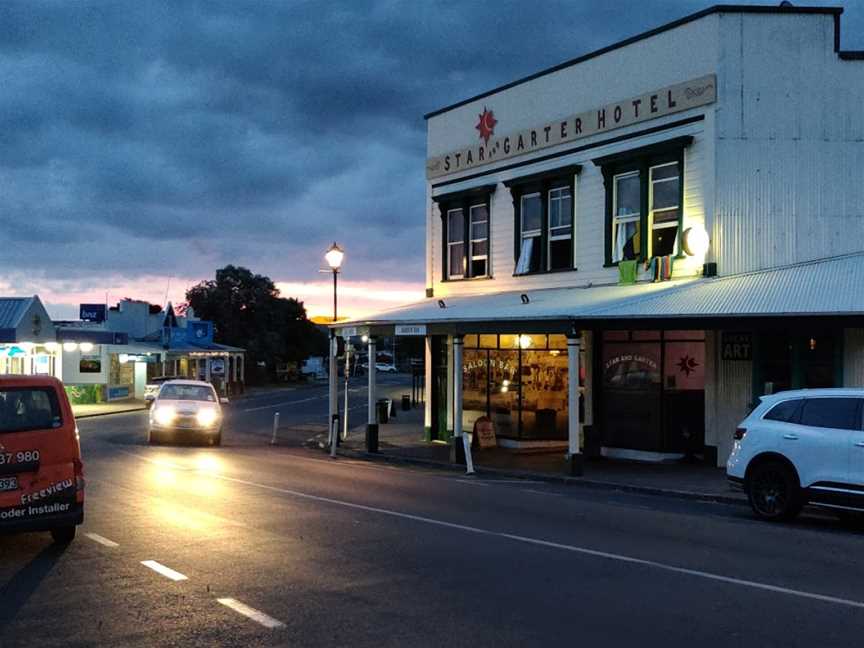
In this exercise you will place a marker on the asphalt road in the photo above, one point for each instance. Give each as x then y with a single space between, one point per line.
249 545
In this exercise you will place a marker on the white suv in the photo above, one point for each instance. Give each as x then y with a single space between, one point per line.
801 447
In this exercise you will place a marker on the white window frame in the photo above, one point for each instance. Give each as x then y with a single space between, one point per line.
570 225
651 211
620 220
535 235
471 240
461 241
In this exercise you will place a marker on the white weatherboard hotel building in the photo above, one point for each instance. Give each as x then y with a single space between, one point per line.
676 219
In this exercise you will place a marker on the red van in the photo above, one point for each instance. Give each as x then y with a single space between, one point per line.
41 473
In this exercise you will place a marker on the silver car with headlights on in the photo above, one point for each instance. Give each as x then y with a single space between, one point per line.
186 409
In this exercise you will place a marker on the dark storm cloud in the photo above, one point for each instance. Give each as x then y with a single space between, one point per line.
172 137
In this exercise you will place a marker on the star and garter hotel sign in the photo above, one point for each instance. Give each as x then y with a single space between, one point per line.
659 103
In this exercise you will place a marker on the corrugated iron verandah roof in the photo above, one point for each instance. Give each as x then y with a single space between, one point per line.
827 288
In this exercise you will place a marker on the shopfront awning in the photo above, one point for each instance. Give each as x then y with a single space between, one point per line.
826 288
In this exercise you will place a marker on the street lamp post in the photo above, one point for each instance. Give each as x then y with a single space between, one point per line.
334 257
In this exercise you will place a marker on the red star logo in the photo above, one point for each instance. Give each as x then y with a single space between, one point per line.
687 365
486 125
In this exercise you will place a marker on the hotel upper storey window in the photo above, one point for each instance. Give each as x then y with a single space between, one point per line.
544 221
465 228
644 194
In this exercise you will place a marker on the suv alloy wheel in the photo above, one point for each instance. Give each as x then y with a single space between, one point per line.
773 491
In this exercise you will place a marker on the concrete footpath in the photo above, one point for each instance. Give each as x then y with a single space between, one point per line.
402 440
102 409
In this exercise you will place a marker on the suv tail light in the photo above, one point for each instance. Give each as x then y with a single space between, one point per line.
739 433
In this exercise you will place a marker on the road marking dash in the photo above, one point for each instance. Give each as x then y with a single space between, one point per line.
251 613
540 492
167 572
95 537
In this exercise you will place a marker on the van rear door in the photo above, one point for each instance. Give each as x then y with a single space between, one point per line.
38 453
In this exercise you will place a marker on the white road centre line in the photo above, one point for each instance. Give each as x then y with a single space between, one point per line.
540 492
767 587
167 572
251 613
95 537
283 404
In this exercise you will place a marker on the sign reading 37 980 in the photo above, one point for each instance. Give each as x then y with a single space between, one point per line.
24 456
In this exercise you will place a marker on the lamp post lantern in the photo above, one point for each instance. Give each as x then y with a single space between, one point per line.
334 257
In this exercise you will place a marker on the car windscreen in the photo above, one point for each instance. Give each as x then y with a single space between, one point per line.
29 408
187 393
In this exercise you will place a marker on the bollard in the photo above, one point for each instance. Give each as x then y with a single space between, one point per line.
469 462
275 428
334 434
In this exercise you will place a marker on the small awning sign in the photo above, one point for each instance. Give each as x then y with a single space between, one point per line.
411 329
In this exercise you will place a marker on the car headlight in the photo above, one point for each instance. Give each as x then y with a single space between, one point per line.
164 415
206 417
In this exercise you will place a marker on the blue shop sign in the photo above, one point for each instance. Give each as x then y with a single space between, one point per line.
92 312
115 393
198 332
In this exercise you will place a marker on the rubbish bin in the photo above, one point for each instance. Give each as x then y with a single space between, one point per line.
406 402
383 410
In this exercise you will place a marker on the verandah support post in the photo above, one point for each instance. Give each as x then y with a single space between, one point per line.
460 451
574 450
334 394
347 386
372 425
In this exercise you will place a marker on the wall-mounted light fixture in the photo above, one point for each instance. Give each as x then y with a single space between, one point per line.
695 241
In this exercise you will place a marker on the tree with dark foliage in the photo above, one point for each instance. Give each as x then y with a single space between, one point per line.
247 311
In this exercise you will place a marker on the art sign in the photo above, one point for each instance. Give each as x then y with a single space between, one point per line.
737 346
651 105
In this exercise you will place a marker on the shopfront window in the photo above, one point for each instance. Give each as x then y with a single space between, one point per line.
652 390
520 382
122 373
475 394
544 394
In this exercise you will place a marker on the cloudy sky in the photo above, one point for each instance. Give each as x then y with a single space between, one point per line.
145 144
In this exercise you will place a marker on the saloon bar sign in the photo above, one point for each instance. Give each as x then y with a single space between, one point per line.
659 103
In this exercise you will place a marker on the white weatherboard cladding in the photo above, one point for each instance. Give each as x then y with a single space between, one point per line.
728 394
590 209
789 154
629 71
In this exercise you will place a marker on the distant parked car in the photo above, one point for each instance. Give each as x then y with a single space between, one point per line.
151 389
386 367
186 408
801 447
313 368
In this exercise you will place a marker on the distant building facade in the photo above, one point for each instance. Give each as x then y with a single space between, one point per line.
111 353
